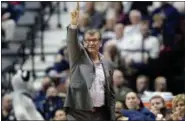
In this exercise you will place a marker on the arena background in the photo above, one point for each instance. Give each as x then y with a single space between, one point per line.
33 37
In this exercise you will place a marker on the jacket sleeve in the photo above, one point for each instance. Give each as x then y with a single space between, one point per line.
112 95
113 117
73 45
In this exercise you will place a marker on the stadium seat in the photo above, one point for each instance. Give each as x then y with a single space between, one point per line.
32 6
7 64
12 50
28 19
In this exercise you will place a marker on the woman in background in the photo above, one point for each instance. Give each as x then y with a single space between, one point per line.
178 108
135 108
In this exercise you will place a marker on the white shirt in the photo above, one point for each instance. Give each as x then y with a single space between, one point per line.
97 90
134 43
130 30
118 42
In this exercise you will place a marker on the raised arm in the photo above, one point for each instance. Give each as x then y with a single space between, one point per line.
72 37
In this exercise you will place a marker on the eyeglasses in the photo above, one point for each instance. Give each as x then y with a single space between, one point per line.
92 41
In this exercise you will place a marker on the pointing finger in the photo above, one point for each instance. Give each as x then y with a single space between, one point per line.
78 6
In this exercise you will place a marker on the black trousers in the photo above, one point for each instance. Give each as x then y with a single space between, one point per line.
98 114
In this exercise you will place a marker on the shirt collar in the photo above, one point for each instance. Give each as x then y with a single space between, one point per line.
101 58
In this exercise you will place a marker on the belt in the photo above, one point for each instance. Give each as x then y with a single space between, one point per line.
97 109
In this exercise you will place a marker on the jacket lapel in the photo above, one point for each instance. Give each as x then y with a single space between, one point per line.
106 73
93 74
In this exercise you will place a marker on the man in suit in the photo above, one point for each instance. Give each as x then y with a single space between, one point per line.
90 94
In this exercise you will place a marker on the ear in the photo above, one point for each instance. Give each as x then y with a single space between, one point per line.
25 76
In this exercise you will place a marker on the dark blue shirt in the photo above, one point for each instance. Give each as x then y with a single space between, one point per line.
50 105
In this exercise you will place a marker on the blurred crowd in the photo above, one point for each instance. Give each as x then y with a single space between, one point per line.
10 14
146 47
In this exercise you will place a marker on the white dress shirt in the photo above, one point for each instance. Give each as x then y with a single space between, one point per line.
131 48
97 90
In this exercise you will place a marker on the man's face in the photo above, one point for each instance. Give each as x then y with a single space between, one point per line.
118 108
110 23
51 92
157 104
117 6
132 101
60 115
141 84
46 83
118 78
134 19
7 103
92 43
161 85
119 30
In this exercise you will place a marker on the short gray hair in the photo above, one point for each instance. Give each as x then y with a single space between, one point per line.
92 32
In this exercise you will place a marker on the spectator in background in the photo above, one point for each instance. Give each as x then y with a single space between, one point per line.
119 28
110 21
110 52
158 107
7 111
157 27
61 63
58 80
160 84
151 43
112 47
141 6
171 20
140 48
59 72
135 19
119 36
18 7
120 15
96 18
118 108
102 6
52 103
60 115
120 85
178 108
8 16
142 85
135 108
40 96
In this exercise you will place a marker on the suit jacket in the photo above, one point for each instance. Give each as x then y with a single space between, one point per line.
82 74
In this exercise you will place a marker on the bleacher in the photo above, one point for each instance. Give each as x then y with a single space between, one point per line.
24 41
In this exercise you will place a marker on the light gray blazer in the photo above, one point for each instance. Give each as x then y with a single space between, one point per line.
82 74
